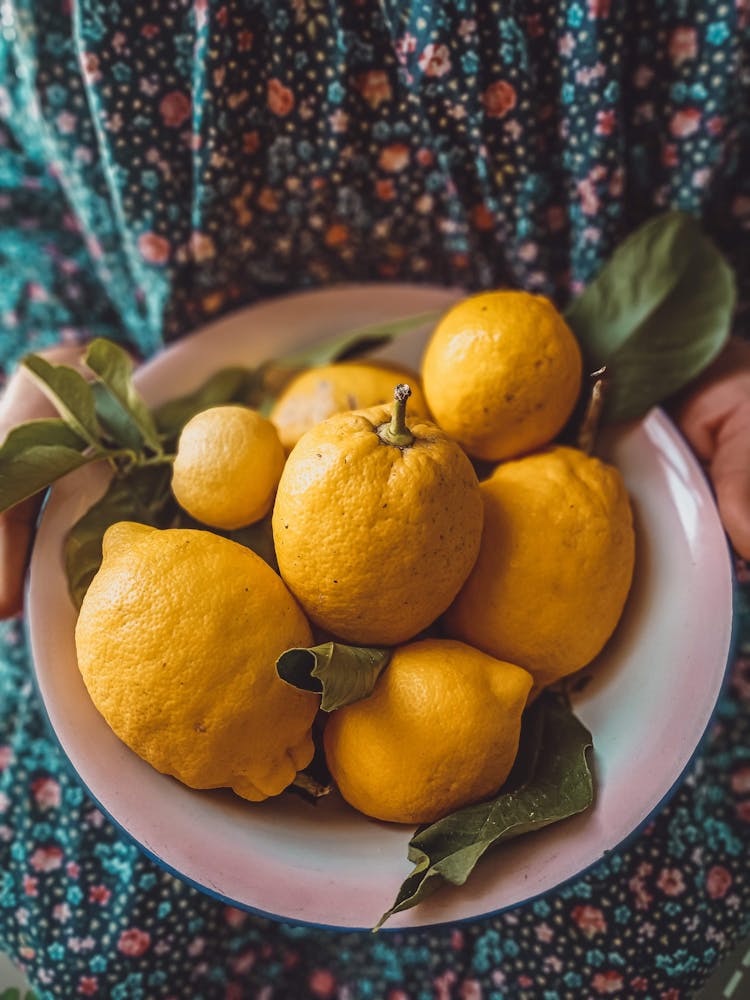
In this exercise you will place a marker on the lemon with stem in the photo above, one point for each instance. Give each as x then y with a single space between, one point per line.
376 523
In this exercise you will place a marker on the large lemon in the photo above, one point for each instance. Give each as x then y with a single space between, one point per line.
439 731
177 641
555 564
375 535
502 373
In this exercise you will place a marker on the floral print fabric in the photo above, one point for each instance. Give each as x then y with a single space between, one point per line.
88 914
166 162
163 163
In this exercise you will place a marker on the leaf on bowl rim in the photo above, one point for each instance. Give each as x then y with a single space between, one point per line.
347 346
657 313
550 781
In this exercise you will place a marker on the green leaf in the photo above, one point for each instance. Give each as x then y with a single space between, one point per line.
229 385
656 315
550 782
347 346
115 421
34 455
70 393
143 494
344 674
13 993
121 407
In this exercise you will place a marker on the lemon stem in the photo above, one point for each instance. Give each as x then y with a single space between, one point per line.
587 432
396 432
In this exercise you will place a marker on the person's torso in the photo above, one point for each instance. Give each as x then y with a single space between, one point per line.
213 153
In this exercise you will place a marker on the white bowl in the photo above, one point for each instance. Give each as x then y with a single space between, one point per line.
648 703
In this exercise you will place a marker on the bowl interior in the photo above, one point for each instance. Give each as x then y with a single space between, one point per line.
647 700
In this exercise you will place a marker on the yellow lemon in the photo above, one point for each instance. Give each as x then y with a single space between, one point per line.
318 393
555 565
439 731
376 524
227 467
177 641
502 373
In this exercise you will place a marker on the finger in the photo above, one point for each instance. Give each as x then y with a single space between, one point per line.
22 400
701 411
730 474
16 527
733 499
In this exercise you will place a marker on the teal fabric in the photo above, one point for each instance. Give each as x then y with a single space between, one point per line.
163 163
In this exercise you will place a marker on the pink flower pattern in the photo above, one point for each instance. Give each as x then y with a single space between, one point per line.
46 792
134 942
435 60
46 859
175 109
499 99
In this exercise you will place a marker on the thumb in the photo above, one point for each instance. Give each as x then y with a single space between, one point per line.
730 473
16 527
714 416
21 400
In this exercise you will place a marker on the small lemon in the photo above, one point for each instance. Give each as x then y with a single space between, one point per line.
502 373
555 565
376 524
320 392
227 467
439 731
177 641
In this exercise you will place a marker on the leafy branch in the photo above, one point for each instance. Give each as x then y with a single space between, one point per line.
100 419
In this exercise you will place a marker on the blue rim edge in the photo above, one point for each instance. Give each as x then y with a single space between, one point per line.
417 928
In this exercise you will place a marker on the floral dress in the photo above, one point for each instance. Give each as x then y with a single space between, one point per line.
164 162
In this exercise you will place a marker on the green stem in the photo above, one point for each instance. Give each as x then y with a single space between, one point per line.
110 456
396 432
161 459
132 458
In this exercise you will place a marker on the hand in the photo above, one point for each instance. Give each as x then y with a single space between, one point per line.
714 416
22 401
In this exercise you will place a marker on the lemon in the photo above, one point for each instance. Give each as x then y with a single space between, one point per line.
555 565
376 529
228 463
439 731
318 393
177 641
502 373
